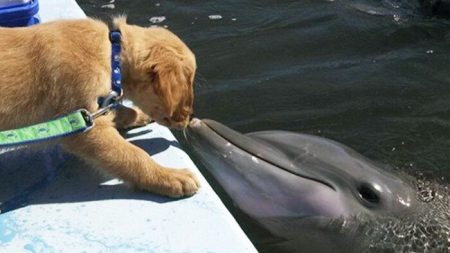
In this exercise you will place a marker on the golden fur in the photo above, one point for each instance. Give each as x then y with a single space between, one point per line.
55 68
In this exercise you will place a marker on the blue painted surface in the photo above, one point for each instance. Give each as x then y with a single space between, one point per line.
53 202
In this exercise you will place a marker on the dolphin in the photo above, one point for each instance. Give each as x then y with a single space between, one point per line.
313 194
310 194
289 182
275 176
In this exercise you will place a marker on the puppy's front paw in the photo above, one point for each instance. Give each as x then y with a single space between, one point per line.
180 183
174 183
131 117
142 119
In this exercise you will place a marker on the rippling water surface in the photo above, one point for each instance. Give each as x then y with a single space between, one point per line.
374 75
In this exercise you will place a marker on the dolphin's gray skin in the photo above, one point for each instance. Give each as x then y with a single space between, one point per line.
289 183
285 174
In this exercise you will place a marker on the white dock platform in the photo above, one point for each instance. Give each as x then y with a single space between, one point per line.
52 202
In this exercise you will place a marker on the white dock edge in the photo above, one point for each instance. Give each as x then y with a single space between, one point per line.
52 202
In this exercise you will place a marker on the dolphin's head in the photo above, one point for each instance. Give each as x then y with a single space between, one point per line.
278 173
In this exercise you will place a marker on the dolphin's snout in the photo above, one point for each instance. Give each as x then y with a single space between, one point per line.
195 122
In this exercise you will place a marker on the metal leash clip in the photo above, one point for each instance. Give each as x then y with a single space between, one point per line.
109 102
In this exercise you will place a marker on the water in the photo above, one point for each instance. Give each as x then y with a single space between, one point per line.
373 75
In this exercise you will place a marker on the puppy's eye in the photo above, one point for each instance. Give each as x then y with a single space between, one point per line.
152 74
152 77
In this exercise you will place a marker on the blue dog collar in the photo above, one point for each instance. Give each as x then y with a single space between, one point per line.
116 72
116 75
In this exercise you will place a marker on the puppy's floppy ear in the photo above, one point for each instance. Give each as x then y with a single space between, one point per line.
172 83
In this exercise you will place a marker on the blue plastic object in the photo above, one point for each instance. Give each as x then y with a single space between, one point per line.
19 15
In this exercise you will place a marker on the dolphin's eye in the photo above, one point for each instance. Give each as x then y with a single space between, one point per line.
368 194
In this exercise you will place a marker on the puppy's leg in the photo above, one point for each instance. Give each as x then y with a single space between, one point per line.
104 147
127 117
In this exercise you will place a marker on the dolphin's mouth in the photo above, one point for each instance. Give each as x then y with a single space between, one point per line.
257 149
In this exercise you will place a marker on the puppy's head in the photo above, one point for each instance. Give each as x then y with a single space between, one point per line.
159 72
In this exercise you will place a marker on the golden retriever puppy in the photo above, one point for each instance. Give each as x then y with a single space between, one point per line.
58 67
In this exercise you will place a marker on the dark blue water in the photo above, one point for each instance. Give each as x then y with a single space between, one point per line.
374 75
